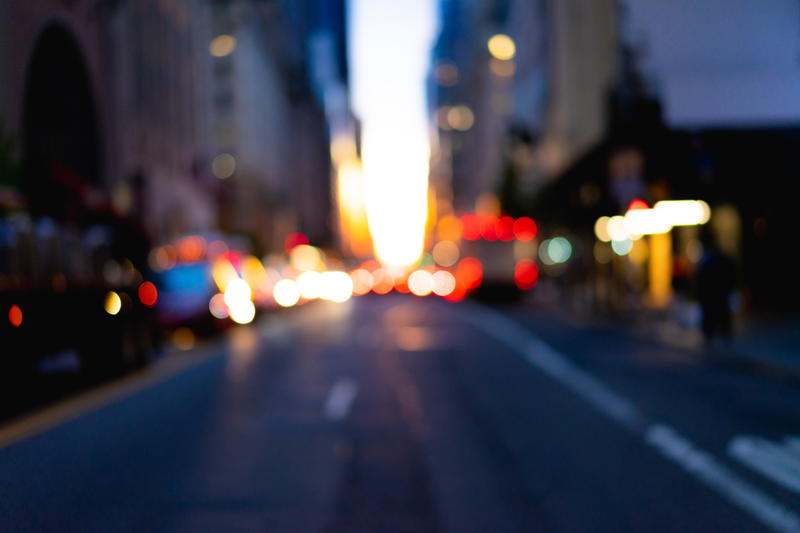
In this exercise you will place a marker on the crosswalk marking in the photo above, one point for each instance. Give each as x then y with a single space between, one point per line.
780 462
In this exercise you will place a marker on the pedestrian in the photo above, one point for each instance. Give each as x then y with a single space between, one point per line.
715 280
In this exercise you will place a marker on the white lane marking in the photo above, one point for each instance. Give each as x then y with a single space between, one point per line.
558 367
778 462
340 399
714 474
700 464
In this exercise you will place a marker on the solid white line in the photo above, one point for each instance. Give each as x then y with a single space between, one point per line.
557 366
667 441
340 399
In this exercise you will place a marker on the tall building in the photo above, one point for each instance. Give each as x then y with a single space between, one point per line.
190 115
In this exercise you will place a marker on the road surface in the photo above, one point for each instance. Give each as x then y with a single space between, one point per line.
401 414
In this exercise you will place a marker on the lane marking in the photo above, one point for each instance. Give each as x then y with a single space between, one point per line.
778 462
698 463
340 399
558 367
705 467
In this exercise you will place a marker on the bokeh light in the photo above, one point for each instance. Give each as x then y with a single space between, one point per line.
362 281
113 303
501 47
183 339
420 283
336 286
526 274
310 284
443 283
286 293
223 166
217 307
148 294
222 45
445 253
15 316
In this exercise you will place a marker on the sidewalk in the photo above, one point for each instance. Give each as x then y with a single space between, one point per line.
767 345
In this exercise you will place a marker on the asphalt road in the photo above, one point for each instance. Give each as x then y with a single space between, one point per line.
400 414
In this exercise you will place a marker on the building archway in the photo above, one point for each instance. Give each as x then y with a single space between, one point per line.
61 153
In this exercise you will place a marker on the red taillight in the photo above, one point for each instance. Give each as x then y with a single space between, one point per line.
15 316
148 294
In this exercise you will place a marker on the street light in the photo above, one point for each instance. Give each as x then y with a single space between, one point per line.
502 47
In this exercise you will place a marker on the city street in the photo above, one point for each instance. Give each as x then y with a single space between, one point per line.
405 414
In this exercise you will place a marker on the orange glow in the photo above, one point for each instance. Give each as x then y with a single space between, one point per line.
525 229
383 281
183 339
449 228
469 273
148 294
401 283
526 274
15 316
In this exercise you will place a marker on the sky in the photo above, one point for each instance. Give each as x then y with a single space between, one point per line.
390 51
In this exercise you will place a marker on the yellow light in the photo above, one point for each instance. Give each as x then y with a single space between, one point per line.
502 46
420 282
601 229
113 303
223 166
336 286
222 272
445 253
222 45
309 284
443 283
286 293
305 257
